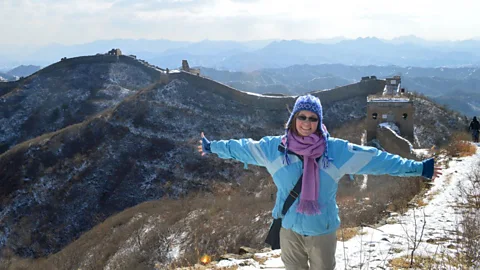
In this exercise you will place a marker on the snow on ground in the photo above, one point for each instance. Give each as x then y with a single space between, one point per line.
390 125
396 131
374 247
262 95
388 99
422 153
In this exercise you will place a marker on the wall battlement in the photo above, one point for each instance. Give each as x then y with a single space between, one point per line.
362 88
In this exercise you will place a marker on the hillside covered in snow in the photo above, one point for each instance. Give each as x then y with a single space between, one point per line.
99 167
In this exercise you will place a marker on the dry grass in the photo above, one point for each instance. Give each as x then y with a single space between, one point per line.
419 263
383 194
420 202
261 260
210 223
469 238
345 234
201 267
460 145
440 261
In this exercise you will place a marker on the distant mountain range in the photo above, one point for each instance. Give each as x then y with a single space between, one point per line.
438 69
23 71
5 77
253 55
20 71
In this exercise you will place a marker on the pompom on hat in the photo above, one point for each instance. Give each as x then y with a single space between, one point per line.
312 104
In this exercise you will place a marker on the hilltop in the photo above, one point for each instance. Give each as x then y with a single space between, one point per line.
66 93
23 70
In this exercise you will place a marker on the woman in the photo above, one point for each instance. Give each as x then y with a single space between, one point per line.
311 156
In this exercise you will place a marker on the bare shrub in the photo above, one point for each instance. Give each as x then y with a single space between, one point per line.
415 238
460 146
225 224
419 262
383 194
470 223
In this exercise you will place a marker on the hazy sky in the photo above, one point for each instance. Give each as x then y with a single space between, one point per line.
40 22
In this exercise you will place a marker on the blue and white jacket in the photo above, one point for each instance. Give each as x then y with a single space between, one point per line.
347 158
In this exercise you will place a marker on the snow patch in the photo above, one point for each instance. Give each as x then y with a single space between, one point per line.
394 128
388 99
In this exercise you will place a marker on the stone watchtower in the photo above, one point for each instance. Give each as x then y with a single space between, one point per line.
392 108
186 67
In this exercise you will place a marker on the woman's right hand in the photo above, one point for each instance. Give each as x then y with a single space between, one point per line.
204 146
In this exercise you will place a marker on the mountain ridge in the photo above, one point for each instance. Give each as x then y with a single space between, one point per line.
23 70
145 139
65 93
361 51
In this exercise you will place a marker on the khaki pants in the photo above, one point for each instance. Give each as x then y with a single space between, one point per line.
299 250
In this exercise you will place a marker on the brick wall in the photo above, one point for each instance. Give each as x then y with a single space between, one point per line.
363 88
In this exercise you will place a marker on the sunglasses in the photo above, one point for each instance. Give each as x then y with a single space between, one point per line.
303 118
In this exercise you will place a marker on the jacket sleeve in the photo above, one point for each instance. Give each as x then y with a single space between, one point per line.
247 151
369 160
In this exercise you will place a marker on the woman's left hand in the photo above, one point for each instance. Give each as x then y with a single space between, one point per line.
437 171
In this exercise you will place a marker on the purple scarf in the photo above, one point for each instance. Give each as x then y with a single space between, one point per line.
311 148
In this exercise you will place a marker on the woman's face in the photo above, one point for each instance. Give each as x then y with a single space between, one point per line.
306 123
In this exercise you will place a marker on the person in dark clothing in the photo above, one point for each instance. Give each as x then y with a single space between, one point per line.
475 129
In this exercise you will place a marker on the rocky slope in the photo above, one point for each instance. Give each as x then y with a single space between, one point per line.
141 150
65 93
435 124
59 185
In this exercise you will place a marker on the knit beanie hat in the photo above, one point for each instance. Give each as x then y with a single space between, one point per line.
312 104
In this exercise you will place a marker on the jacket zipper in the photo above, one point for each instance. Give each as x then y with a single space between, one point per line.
328 218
